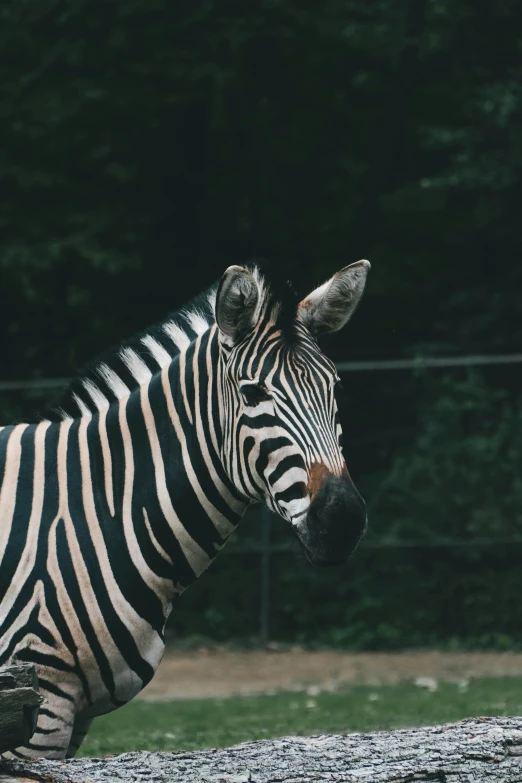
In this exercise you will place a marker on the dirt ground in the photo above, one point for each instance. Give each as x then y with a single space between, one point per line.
206 674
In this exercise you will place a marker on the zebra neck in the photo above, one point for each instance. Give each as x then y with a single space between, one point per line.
189 504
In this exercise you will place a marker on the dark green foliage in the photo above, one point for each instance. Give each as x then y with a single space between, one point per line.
462 477
148 145
142 140
457 492
386 599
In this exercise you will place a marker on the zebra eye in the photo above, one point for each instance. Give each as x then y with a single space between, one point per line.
254 393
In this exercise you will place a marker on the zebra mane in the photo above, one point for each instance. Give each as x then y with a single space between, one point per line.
124 367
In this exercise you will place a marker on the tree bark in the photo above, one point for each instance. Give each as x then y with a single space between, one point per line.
19 702
472 751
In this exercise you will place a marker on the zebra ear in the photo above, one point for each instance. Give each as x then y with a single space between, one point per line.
329 307
236 301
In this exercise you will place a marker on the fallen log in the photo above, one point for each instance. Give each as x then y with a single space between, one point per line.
472 751
19 702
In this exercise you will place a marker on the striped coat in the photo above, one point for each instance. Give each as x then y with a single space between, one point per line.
109 511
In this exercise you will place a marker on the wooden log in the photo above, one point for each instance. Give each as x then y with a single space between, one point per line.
19 703
472 751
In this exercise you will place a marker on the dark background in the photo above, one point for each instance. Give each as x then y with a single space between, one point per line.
147 145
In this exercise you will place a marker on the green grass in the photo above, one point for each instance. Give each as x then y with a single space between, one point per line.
189 725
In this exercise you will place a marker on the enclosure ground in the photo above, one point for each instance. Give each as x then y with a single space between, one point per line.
220 674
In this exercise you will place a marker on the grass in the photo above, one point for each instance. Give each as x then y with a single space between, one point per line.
190 725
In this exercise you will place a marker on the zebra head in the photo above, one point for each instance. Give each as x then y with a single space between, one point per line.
282 439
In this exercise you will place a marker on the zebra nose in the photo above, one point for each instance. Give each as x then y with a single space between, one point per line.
336 520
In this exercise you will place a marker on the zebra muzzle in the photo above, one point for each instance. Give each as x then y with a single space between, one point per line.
335 521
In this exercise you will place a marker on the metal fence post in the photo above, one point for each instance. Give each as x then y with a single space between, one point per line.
264 597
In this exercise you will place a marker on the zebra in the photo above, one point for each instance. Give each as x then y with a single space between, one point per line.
112 506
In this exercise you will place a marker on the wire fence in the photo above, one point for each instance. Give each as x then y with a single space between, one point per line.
264 546
266 550
417 363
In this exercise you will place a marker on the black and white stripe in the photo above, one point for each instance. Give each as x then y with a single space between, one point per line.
111 510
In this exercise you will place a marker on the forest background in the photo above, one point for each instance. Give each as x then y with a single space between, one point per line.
148 145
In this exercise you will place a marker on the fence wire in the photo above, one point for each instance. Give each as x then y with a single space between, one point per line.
418 363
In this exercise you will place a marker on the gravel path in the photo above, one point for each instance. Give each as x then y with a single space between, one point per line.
203 674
